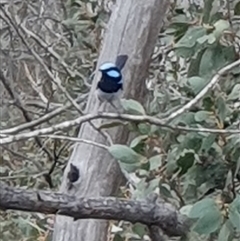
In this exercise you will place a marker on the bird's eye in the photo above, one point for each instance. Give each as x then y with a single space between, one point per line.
113 73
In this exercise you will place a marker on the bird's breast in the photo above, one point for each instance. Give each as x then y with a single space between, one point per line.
108 85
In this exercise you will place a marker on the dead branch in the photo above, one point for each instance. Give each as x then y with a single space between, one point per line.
158 213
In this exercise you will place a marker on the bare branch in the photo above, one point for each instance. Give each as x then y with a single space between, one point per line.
160 214
204 91
74 139
54 54
56 81
34 85
19 104
38 121
125 117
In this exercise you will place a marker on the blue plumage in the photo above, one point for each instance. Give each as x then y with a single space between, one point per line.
111 82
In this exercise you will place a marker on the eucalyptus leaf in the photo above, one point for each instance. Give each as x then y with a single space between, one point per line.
235 93
186 160
209 223
155 162
125 154
234 213
139 229
207 142
201 116
138 140
220 26
191 36
197 83
225 232
132 107
202 207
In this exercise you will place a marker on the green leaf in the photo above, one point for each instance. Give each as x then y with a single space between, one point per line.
237 9
171 161
207 10
207 142
125 154
185 47
117 237
196 83
191 36
139 139
144 128
155 162
209 223
222 109
132 107
190 141
237 167
186 160
130 168
202 115
139 229
215 58
202 207
185 118
225 232
165 190
211 39
220 26
193 69
235 94
234 213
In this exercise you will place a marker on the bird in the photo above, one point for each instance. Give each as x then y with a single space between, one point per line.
110 85
73 176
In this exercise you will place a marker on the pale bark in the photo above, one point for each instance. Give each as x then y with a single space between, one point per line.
132 29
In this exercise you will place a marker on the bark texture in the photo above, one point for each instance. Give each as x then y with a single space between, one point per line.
148 211
133 29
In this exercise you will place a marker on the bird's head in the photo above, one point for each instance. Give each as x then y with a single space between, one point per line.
111 70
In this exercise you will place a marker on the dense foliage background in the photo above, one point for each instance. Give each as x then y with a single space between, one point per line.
199 172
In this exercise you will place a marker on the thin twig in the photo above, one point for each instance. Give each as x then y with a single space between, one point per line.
50 74
38 121
203 92
19 104
54 54
34 85
74 139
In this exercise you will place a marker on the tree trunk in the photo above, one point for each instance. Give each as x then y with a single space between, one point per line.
133 29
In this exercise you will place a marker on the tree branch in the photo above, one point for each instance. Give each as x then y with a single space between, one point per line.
160 214
204 91
19 104
89 117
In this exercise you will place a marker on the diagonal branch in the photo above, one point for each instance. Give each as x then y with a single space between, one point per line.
204 91
18 103
49 73
40 120
157 213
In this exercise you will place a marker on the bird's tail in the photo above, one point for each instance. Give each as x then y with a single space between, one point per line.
121 61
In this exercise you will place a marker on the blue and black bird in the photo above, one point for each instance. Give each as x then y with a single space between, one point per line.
111 83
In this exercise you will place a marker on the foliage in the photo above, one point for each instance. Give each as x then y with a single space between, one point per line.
198 172
74 32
